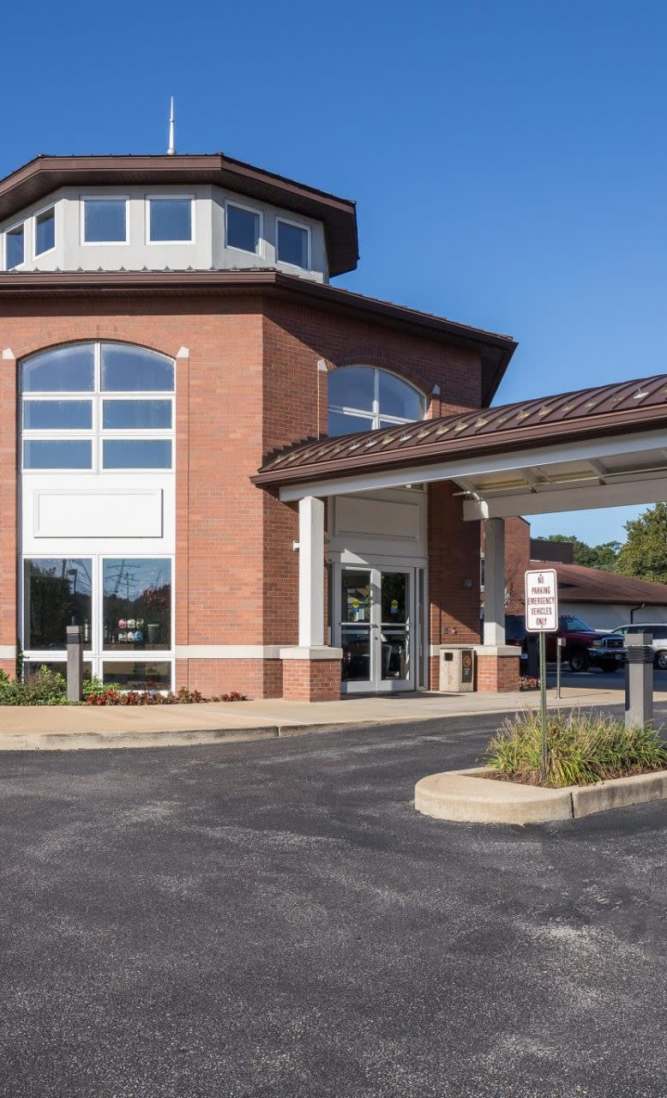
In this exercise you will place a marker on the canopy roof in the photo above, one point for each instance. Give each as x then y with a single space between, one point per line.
521 458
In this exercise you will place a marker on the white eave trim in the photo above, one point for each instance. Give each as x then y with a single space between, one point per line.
472 467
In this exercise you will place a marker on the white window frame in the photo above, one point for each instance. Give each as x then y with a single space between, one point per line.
82 217
6 233
95 653
161 197
376 415
108 655
249 209
296 225
35 217
97 433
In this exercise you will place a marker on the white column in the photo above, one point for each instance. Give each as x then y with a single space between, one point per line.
311 572
494 582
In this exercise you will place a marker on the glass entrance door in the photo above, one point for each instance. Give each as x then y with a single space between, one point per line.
376 615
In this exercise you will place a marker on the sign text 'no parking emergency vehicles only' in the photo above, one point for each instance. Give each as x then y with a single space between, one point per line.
542 601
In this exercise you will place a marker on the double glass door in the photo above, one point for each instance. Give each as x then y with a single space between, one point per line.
376 628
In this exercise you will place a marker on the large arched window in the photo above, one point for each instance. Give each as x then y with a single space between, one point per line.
97 406
364 398
97 500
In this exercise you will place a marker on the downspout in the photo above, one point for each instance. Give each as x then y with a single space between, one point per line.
632 611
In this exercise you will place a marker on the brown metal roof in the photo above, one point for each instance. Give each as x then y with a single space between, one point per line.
579 584
45 174
624 406
495 350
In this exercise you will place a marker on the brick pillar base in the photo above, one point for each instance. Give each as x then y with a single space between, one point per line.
498 670
311 674
9 667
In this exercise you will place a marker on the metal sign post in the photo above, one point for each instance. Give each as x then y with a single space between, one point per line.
541 595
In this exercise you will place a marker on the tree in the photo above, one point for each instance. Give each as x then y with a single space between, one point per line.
602 556
644 553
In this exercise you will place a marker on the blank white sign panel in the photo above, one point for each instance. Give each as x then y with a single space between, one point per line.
98 514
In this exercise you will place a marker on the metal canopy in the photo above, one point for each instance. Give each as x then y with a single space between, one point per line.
601 447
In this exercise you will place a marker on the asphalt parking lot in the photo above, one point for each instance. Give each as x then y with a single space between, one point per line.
274 919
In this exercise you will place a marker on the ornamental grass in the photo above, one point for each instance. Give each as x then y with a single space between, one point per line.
583 748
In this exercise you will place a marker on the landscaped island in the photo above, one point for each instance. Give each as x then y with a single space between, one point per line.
584 747
594 763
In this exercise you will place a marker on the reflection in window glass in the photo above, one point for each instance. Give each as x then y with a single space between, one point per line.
45 231
292 244
356 596
388 400
396 398
143 675
133 414
61 370
31 667
57 453
356 645
170 220
57 593
57 415
242 229
394 592
137 604
352 387
104 220
139 453
342 424
127 369
15 247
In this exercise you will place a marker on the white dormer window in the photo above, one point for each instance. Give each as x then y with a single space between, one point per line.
170 219
293 244
14 247
105 220
45 231
244 228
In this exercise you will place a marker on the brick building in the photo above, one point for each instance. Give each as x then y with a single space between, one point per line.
170 341
166 323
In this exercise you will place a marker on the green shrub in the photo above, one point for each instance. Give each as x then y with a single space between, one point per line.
583 748
45 687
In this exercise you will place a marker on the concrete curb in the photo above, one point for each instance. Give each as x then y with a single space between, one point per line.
101 741
108 739
467 796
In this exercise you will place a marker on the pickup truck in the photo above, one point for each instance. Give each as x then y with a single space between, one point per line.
579 640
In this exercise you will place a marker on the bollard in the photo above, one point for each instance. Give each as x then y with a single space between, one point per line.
74 663
638 679
533 661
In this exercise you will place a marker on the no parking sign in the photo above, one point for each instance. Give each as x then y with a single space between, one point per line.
542 601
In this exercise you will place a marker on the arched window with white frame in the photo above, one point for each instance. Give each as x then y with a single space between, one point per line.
97 510
367 398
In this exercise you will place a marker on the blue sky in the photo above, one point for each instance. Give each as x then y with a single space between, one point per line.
509 160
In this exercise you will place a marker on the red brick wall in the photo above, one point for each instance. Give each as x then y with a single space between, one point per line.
255 678
517 556
295 337
498 674
249 386
311 680
453 552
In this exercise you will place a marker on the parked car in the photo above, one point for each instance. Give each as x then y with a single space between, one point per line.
607 652
579 639
659 632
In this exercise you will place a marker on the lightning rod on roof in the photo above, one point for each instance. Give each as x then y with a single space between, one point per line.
171 148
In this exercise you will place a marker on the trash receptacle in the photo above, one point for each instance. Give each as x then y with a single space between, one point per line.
457 670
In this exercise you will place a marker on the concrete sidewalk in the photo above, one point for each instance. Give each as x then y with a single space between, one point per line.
72 727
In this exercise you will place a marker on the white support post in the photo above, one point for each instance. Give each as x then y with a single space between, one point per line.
311 572
494 582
